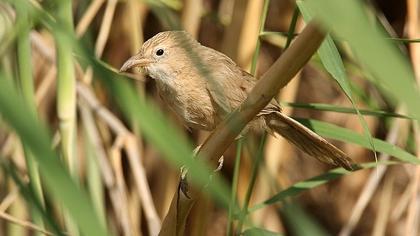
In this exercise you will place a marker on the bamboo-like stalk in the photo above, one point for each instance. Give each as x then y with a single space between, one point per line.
275 78
259 156
234 30
27 89
413 24
191 16
249 43
66 95
277 149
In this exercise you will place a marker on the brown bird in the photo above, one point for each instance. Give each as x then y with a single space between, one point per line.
203 85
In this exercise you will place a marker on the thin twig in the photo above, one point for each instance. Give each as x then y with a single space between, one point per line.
129 144
87 18
105 27
9 199
25 224
122 211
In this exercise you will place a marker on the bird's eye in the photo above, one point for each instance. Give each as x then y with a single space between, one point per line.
159 52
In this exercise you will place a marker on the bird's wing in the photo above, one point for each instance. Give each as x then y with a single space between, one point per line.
228 84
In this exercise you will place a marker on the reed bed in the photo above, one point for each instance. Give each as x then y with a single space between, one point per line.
86 150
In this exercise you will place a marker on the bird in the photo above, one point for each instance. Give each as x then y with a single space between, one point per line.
202 86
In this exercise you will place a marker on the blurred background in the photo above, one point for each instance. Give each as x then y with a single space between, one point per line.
62 59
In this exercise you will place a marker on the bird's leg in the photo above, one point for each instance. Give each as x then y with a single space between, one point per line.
184 170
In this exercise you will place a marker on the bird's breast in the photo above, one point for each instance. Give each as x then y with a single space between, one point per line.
190 101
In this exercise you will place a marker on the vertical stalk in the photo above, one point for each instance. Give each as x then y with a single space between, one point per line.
233 203
66 94
251 185
260 150
27 89
258 46
292 27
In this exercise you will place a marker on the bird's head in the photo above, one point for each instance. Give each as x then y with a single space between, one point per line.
163 54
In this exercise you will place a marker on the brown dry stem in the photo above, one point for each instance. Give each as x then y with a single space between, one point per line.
280 73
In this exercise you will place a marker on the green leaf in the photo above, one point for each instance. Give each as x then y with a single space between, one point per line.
331 59
349 136
313 182
259 232
383 59
35 135
301 223
348 110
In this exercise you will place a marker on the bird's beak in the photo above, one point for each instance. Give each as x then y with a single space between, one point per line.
135 61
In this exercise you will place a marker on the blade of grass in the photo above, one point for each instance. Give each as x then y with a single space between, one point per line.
313 182
259 232
333 63
348 110
332 131
27 89
292 28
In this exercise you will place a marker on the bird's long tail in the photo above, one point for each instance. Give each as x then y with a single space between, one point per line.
306 140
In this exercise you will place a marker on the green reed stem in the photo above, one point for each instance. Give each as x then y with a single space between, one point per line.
66 94
23 47
261 30
251 185
292 28
233 201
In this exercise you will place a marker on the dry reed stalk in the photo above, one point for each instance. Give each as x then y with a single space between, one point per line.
88 16
153 220
249 34
107 174
275 78
22 223
16 211
413 32
277 151
191 16
129 141
382 216
116 163
135 17
105 28
234 30
9 199
373 182
102 37
401 206
129 144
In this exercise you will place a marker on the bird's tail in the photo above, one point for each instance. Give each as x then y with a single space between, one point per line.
306 140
